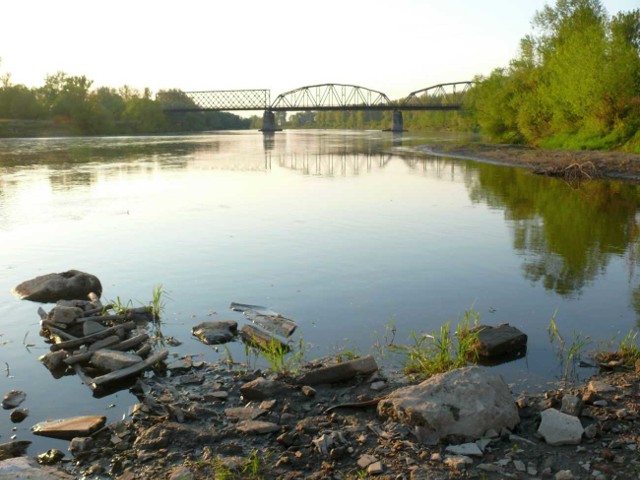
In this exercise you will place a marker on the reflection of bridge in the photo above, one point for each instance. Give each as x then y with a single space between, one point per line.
325 97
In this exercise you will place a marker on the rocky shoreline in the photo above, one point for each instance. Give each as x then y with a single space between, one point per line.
583 164
213 421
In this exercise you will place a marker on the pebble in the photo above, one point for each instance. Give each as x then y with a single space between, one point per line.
376 468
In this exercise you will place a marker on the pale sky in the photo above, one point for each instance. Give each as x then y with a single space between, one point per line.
395 46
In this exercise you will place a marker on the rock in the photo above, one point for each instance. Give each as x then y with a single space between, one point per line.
13 449
181 473
69 428
458 462
564 475
243 413
498 341
375 468
13 399
558 428
23 468
257 427
598 386
52 287
308 391
54 361
213 333
466 449
379 385
262 389
65 315
80 445
19 414
340 371
365 460
591 431
51 456
112 360
89 327
571 405
464 402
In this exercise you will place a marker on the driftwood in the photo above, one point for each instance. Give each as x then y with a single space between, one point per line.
144 350
128 371
93 337
60 333
104 343
261 339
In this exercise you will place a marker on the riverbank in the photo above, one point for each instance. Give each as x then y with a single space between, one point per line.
589 164
204 421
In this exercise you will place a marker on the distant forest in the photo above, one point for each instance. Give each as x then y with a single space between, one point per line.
67 105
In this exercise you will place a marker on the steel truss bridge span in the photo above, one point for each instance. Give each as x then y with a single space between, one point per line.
321 97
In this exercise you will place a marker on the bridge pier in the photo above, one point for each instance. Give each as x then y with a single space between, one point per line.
397 122
269 122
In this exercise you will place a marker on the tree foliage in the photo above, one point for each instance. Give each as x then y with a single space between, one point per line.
71 101
574 84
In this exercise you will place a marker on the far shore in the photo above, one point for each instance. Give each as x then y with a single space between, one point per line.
595 164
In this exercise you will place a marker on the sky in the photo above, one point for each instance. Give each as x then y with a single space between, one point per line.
393 46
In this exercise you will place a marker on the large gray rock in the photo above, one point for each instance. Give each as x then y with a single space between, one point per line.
463 403
52 287
559 428
213 333
23 468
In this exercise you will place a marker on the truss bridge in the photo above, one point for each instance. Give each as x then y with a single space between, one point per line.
322 97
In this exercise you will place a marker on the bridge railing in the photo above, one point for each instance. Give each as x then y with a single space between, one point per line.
221 100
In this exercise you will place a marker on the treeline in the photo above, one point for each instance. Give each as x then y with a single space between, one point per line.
574 84
69 104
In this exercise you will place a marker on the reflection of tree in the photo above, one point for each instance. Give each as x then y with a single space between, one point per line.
566 236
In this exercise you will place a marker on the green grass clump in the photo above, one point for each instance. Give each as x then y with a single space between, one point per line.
441 351
281 358
568 354
627 351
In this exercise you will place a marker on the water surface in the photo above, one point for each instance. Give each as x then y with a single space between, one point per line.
346 232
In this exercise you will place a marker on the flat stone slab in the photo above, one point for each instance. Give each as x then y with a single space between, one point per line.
340 371
23 468
243 413
68 428
13 399
257 427
69 285
501 340
214 333
112 360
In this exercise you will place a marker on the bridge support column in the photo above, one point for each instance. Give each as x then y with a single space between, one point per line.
397 122
268 122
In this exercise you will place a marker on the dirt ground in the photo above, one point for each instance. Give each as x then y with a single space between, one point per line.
595 164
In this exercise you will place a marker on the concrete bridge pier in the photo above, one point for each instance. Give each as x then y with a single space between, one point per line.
268 122
397 122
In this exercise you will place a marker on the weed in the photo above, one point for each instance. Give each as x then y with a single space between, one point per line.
387 340
275 353
120 307
627 352
440 351
157 302
568 355
250 468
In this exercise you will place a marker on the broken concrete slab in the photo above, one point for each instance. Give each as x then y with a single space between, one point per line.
50 288
256 337
274 323
500 341
68 428
340 371
112 360
215 332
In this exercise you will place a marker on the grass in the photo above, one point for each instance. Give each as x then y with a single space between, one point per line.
280 358
250 469
441 351
568 354
627 351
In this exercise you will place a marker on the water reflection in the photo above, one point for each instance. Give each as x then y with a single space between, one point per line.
566 236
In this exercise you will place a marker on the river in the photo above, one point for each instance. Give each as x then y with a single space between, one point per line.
349 233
